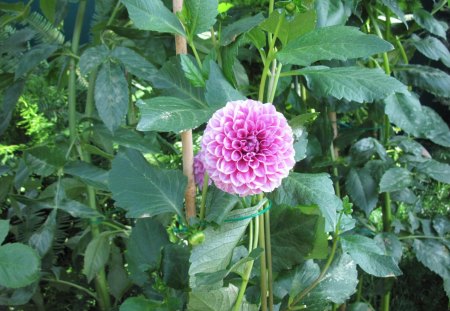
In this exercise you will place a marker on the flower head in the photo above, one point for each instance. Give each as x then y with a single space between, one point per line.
199 169
248 147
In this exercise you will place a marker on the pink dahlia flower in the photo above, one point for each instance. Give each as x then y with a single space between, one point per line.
199 170
248 147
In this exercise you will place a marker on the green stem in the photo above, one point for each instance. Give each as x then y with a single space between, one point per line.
263 276
269 258
197 57
114 13
421 237
360 287
81 288
275 83
204 192
402 50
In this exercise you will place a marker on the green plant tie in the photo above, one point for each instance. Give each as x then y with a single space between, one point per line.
269 206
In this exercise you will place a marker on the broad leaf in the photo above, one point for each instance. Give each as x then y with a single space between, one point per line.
88 173
77 209
393 5
42 239
44 160
230 32
218 90
435 128
33 57
351 83
4 228
170 114
221 299
20 265
175 265
135 63
310 189
390 244
428 22
434 256
96 255
153 15
332 12
111 95
426 78
10 98
436 170
395 179
369 256
118 279
141 303
432 48
144 190
335 42
93 57
191 71
219 204
362 188
200 15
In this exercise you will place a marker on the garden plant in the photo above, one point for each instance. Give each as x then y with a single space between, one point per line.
224 155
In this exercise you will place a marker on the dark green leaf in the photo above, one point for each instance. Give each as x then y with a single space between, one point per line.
77 209
170 114
304 276
390 245
117 276
335 42
89 174
42 239
33 57
10 98
135 63
200 15
369 256
393 5
93 57
351 83
44 160
141 303
48 7
395 179
332 12
360 306
175 266
230 32
221 299
20 265
219 204
16 297
153 15
362 188
432 48
435 128
434 256
191 71
96 255
427 78
441 225
4 228
310 189
436 170
144 190
111 95
428 22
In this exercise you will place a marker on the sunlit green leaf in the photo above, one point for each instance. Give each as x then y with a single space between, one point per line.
200 15
395 179
93 57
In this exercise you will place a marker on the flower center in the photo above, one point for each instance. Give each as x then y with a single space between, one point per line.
251 144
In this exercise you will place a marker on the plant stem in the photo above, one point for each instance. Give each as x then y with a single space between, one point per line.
204 192
334 151
186 136
263 276
197 57
81 288
421 237
360 286
269 258
402 50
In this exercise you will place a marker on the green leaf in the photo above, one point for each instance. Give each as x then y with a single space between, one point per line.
96 255
435 128
362 188
393 5
390 245
4 228
93 57
135 63
433 255
19 265
144 190
77 209
369 256
432 48
10 98
335 42
332 12
218 90
147 239
33 57
214 254
111 95
351 83
118 280
360 306
436 170
292 26
170 114
426 78
42 239
309 232
395 179
141 303
200 15
219 204
175 266
88 173
191 71
221 299
428 22
310 189
153 15
232 31
48 7
44 160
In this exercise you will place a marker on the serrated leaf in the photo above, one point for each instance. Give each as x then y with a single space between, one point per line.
334 42
433 255
191 71
93 57
96 255
393 6
362 188
395 179
428 22
10 98
170 114
218 90
4 228
432 48
390 244
141 303
310 189
351 83
20 265
221 299
111 95
44 160
427 78
368 255
42 239
33 57
153 15
436 170
232 31
144 190
118 280
332 12
88 173
135 63
219 204
200 15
